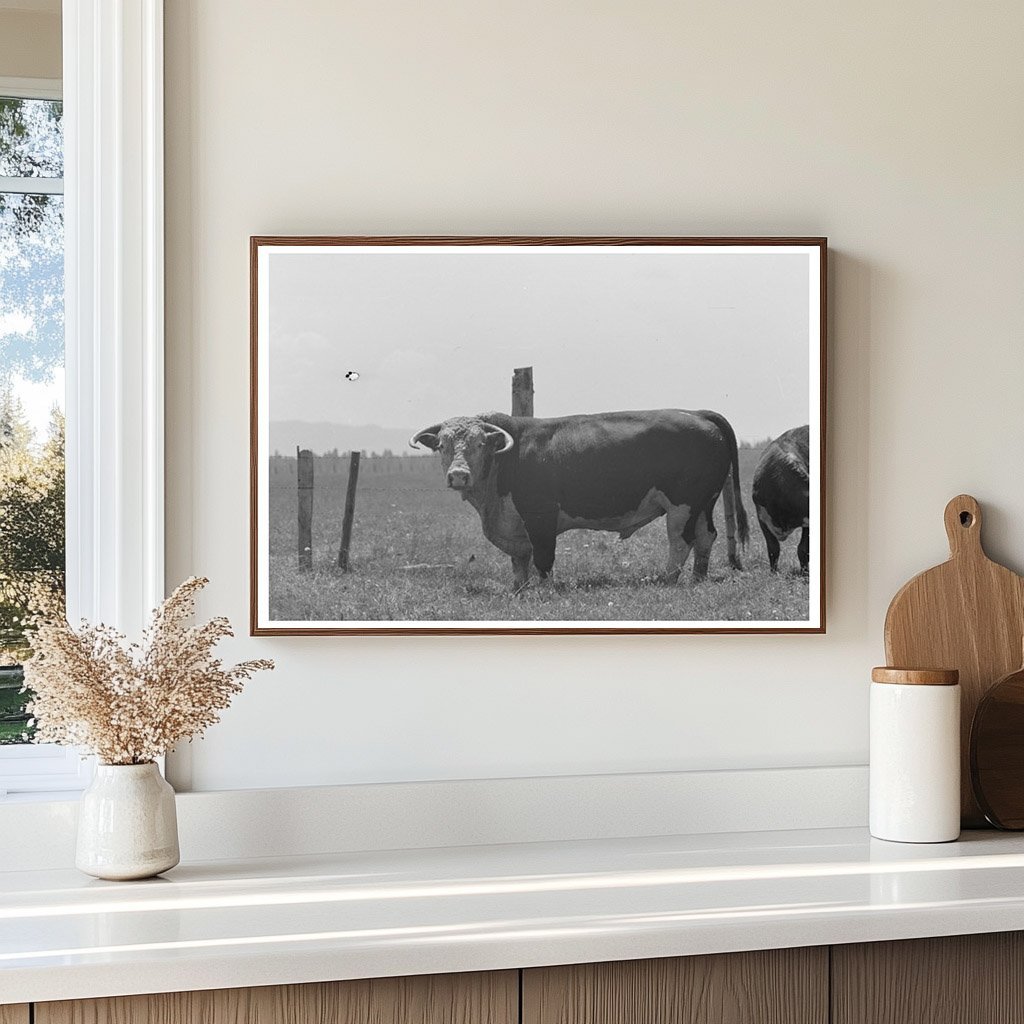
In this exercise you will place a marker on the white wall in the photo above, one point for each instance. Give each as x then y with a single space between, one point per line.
894 129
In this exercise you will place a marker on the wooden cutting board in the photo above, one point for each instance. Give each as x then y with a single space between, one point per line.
967 614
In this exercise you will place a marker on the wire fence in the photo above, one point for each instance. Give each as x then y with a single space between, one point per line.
337 463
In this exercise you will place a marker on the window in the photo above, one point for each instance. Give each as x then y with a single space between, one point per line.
31 381
32 562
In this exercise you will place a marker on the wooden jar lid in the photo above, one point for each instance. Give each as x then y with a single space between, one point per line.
916 676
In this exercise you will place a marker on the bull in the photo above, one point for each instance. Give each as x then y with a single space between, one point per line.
532 479
782 493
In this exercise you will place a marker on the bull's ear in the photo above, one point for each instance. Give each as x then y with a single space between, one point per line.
501 440
426 437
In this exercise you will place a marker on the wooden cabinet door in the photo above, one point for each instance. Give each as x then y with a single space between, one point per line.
491 998
779 986
14 1014
963 979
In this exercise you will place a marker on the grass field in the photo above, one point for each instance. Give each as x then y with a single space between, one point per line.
405 517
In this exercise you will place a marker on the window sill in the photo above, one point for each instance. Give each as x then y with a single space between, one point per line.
41 797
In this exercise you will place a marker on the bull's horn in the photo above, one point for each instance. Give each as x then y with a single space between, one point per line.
491 428
427 437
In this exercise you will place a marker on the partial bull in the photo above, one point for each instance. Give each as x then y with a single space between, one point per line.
782 493
532 479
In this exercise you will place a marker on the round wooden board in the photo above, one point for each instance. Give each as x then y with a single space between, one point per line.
997 752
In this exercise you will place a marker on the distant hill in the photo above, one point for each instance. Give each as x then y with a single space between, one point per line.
286 435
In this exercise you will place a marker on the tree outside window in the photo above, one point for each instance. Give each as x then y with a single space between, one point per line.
31 386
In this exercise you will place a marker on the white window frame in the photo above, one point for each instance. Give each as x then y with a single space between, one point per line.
114 336
32 88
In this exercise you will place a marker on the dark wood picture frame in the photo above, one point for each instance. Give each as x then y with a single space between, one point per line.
517 627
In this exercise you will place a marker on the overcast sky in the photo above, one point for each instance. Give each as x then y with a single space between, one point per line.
438 334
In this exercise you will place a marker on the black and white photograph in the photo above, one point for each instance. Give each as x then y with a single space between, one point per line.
537 435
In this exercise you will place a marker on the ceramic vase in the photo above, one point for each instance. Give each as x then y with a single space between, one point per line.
127 825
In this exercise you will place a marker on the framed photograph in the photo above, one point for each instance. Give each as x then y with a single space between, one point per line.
537 435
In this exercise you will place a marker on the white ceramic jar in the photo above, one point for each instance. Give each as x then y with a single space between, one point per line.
127 823
915 755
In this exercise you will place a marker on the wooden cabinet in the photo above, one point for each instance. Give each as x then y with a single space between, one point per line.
779 986
963 979
491 998
972 979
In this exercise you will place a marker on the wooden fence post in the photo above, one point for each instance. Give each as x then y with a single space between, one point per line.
304 459
522 391
350 508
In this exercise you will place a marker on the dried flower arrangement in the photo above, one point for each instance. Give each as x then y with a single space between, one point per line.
130 703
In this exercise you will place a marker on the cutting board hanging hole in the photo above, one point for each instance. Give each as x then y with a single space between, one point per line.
963 525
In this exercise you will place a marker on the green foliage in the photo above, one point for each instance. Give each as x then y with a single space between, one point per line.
31 138
14 726
31 547
31 522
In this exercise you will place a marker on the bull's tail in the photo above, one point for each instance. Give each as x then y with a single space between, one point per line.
736 526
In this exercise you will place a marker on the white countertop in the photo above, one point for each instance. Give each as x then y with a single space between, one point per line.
225 924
